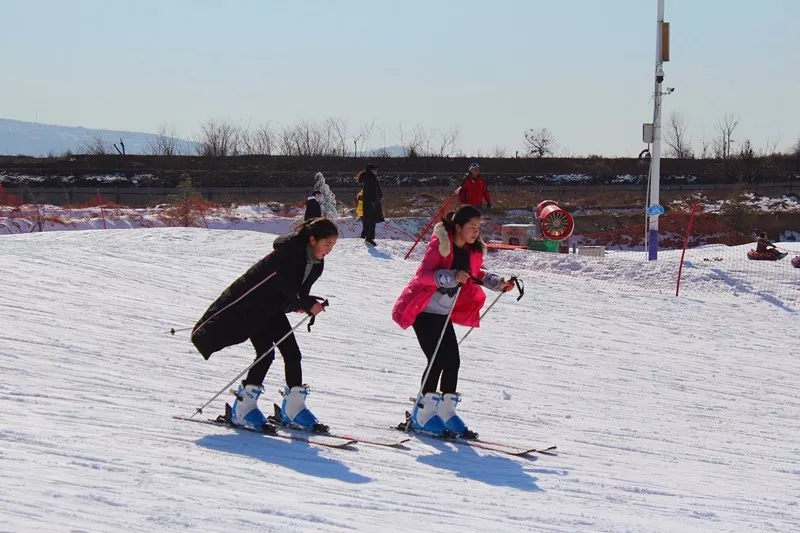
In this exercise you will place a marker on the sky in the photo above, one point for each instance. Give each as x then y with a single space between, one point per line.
583 69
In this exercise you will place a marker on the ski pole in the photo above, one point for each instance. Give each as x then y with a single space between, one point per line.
520 287
438 343
173 331
262 356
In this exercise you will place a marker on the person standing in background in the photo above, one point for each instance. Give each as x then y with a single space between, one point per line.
473 189
372 198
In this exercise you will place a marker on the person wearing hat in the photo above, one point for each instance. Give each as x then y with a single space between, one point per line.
473 189
313 207
371 196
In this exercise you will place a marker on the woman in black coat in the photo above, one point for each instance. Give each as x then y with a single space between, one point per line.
254 307
372 197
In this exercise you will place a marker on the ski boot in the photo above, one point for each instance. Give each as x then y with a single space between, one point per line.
294 412
447 411
245 412
424 416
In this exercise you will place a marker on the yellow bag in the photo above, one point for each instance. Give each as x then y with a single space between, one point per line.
360 205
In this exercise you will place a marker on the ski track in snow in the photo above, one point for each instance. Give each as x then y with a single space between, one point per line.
670 414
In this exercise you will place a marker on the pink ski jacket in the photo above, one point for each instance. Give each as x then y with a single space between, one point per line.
419 291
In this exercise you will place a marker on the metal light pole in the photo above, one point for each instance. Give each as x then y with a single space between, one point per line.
655 209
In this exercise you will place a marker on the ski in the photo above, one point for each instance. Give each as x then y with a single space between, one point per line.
328 441
500 447
393 443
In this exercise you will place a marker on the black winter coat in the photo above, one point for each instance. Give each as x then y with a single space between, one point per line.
313 209
372 196
246 305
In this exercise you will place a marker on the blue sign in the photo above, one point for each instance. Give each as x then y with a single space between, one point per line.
655 210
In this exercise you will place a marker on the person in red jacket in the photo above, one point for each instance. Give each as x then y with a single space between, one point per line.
473 189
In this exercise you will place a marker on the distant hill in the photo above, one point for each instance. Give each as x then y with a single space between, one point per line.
34 139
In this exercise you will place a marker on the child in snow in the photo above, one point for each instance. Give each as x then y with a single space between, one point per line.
454 259
313 207
254 307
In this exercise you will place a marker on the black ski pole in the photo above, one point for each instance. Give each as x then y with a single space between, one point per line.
199 410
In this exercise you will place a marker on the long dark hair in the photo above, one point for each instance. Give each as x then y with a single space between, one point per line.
319 228
460 217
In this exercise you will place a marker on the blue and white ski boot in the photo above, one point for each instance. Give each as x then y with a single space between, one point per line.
424 417
453 422
294 412
245 411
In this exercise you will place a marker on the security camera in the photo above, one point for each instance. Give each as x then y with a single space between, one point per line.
670 90
660 75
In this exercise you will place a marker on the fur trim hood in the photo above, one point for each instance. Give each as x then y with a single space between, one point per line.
440 232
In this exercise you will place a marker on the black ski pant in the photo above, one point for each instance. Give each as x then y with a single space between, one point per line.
428 327
275 328
368 227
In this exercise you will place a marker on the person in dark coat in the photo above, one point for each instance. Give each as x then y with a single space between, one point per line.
372 197
254 307
764 246
313 207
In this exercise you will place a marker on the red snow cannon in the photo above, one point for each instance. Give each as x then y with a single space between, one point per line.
556 224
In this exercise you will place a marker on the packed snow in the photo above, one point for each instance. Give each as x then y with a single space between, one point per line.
670 414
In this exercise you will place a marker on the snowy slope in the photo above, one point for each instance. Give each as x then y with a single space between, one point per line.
670 414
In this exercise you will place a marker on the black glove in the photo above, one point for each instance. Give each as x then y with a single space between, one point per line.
489 206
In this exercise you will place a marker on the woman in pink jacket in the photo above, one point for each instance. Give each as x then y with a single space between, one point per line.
454 259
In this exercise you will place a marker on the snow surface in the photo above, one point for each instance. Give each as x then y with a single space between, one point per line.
670 414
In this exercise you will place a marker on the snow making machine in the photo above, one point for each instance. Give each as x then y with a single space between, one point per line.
550 231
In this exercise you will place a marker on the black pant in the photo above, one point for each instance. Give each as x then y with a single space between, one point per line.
428 327
275 328
368 227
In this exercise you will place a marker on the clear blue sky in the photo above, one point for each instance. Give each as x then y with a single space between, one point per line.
581 68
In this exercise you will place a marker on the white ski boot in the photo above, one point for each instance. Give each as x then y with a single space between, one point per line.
453 422
245 411
424 417
294 412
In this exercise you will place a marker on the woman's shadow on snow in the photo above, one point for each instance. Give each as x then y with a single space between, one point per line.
295 455
491 469
380 254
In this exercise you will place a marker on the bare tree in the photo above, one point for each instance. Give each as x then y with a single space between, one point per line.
337 130
306 139
218 139
500 152
796 148
448 141
95 146
705 148
286 141
723 141
164 142
678 141
416 142
258 141
363 135
772 145
746 150
540 143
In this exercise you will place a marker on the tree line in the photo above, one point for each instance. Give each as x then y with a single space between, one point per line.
332 137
